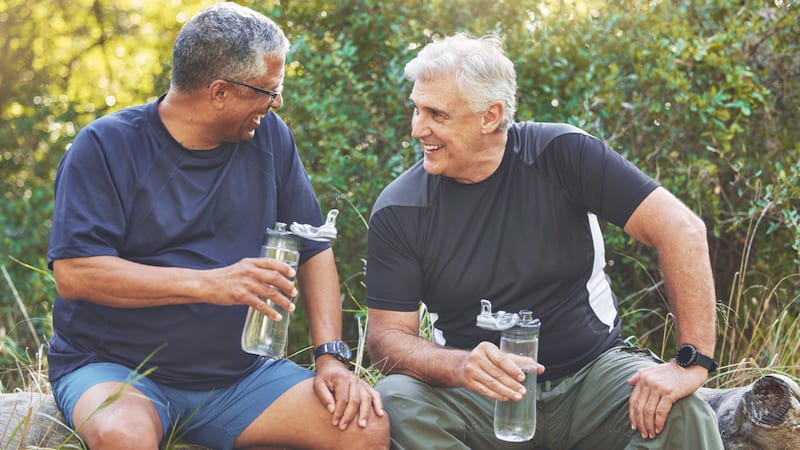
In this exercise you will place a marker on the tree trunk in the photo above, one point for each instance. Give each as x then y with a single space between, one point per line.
762 416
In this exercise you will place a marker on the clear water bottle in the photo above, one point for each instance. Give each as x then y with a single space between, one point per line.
515 421
262 335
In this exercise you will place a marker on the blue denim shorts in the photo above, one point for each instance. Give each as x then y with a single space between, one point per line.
213 419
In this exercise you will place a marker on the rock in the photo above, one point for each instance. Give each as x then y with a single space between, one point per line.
31 420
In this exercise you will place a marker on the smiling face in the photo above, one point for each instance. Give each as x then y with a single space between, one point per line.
458 143
248 107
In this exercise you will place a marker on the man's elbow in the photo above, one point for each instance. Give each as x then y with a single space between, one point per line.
375 351
696 229
378 351
686 229
67 285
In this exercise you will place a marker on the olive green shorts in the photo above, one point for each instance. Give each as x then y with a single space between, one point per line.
587 410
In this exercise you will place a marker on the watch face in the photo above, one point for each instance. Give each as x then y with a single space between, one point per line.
686 356
344 350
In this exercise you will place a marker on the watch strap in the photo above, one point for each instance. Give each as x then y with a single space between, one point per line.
706 362
694 358
337 349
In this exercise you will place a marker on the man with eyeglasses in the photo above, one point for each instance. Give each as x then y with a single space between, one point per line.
159 215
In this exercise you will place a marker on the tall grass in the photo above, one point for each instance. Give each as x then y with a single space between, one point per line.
758 324
758 333
26 371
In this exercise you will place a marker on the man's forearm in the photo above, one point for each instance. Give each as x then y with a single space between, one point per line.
116 282
319 286
663 222
690 288
395 351
686 269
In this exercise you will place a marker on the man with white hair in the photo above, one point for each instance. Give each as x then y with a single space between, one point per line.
509 212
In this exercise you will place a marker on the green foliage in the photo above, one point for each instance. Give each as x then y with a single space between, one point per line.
62 64
702 95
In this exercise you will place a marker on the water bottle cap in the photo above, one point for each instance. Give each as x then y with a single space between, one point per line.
324 233
499 321
527 320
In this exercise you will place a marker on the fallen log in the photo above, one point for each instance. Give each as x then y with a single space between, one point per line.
764 415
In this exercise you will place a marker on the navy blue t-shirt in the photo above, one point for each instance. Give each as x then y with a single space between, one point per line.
126 188
527 237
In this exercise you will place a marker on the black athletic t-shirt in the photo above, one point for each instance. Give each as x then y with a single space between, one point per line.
527 237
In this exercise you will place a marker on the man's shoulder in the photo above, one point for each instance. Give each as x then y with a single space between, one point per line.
531 138
411 188
545 129
125 120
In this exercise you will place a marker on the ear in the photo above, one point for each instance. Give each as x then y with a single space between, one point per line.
218 92
492 117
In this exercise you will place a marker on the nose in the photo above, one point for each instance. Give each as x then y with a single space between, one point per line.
278 102
418 127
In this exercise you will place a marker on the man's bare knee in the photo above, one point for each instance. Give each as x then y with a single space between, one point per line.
374 436
118 435
117 416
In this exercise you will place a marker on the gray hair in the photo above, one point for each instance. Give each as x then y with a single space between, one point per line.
484 74
224 41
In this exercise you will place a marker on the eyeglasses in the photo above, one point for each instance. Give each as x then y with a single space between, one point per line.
266 92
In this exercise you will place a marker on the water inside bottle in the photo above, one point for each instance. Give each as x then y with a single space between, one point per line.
287 255
515 421
262 335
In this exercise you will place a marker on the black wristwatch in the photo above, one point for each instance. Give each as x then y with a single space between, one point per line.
338 349
689 356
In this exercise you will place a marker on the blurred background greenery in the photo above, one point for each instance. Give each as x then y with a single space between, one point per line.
704 95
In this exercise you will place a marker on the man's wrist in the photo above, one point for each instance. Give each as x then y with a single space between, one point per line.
335 349
688 356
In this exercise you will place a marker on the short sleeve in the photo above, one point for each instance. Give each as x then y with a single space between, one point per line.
394 281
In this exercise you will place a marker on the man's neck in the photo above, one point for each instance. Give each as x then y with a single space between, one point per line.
487 161
186 120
